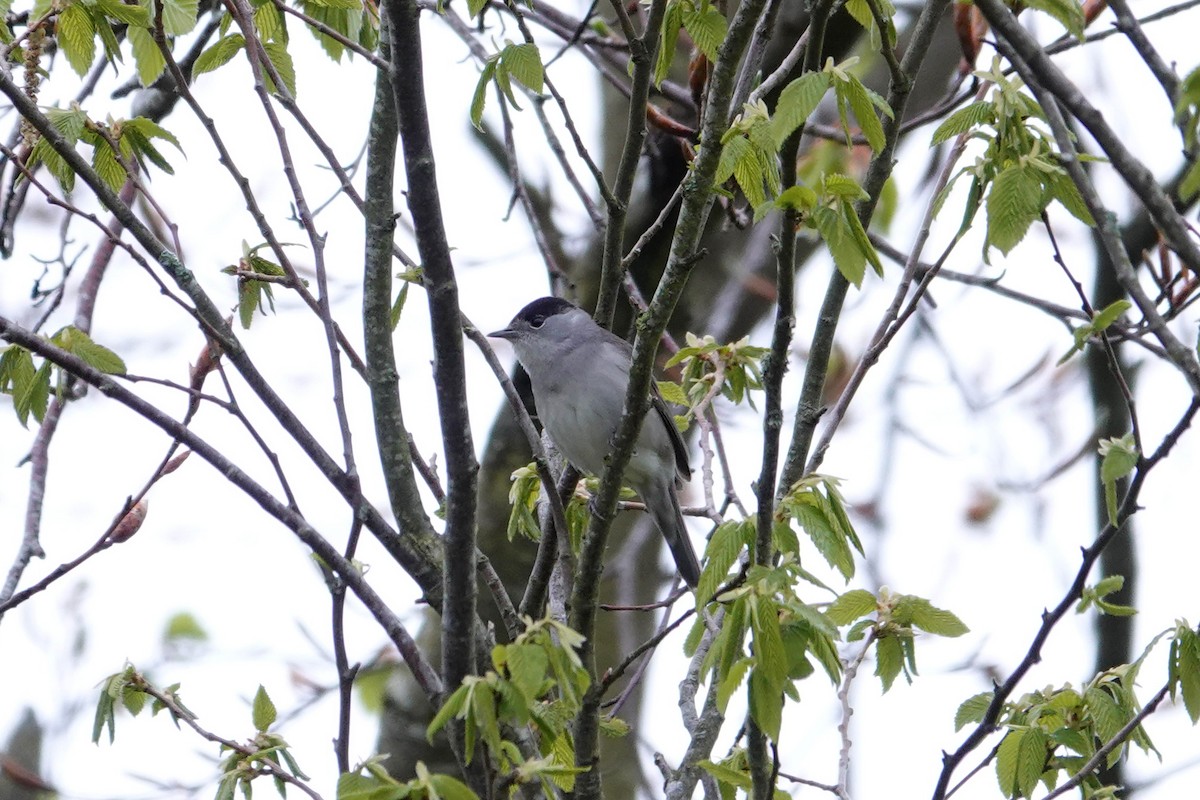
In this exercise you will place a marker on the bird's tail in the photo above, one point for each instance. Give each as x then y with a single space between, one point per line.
668 518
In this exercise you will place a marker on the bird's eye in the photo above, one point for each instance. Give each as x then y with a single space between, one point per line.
536 321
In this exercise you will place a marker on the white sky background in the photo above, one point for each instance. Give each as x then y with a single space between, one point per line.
208 550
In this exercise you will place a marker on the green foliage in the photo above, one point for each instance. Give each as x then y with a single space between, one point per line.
115 144
1187 118
254 274
734 370
733 773
892 628
519 62
1094 595
370 781
1118 457
1056 731
353 19
815 505
1020 174
265 753
130 690
29 384
538 680
860 10
1068 12
1184 668
523 497
1100 323
705 25
783 632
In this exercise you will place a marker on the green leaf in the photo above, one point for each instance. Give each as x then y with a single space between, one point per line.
183 626
1186 670
353 786
707 27
1064 190
454 706
1118 457
972 709
864 111
32 396
924 615
847 256
851 605
130 14
108 166
76 341
768 640
726 544
735 150
1068 12
179 16
1190 185
268 20
732 680
1110 314
671 25
889 660
146 55
766 703
1013 204
859 235
282 60
524 62
77 37
263 712
982 112
480 96
474 7
220 53
451 788
105 717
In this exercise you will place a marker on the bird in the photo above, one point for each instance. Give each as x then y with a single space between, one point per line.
579 373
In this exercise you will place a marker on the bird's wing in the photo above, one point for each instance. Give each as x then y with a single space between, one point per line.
660 409
668 419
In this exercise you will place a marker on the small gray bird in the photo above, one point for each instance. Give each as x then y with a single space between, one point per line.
580 372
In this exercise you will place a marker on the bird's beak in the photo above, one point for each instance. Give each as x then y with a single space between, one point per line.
503 333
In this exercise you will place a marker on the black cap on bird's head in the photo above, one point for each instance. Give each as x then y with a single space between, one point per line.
533 315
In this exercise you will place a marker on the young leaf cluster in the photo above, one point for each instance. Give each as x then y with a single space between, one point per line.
1094 595
252 289
704 24
750 148
29 383
1101 322
890 619
815 505
370 781
128 688
733 773
767 634
269 755
1184 668
81 22
828 208
537 680
1019 174
1052 733
1118 457
737 366
519 62
116 146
